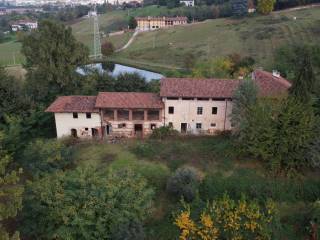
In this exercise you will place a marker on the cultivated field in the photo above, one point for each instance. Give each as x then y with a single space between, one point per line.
256 36
10 53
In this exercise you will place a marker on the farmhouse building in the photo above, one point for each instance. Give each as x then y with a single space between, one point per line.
24 25
191 106
188 3
152 23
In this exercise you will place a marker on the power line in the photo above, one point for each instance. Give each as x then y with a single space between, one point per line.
96 35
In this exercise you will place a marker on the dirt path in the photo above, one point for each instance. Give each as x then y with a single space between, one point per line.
129 42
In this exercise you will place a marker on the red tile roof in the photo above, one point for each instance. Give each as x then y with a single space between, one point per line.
128 100
67 104
268 85
159 18
192 87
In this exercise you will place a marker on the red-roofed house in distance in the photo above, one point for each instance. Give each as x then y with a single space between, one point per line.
189 105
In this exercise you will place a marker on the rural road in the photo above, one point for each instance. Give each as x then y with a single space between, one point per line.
129 42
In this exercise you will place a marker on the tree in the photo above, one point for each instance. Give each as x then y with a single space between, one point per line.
244 98
10 192
293 136
45 156
107 48
133 82
13 100
228 219
184 183
85 203
304 80
265 6
132 23
52 57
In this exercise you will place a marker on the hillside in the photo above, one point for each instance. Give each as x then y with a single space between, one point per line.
256 36
114 21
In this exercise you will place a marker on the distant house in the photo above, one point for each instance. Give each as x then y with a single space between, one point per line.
24 25
188 3
152 23
191 106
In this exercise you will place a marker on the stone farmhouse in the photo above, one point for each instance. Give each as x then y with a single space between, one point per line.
191 106
153 23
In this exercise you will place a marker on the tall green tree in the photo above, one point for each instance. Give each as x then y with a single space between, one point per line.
265 6
304 80
10 192
52 56
86 204
13 100
244 98
132 23
295 127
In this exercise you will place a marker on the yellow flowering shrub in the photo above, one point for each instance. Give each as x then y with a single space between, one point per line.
226 218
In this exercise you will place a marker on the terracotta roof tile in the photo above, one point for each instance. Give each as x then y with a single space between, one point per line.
192 87
128 100
66 104
268 85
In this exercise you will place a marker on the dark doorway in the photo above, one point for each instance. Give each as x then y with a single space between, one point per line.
183 128
108 129
94 132
74 133
138 130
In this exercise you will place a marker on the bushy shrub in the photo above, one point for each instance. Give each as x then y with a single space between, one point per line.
184 183
164 132
156 174
45 156
144 149
107 48
259 187
131 230
85 203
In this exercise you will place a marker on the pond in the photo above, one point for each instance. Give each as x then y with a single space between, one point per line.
116 69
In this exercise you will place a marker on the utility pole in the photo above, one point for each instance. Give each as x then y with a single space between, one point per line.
96 35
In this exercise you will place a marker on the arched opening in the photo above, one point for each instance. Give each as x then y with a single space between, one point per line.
74 133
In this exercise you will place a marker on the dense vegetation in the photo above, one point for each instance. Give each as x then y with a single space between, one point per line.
261 181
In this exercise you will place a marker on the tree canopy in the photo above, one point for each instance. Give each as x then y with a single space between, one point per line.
85 204
52 56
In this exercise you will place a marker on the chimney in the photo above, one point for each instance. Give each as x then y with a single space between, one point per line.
276 73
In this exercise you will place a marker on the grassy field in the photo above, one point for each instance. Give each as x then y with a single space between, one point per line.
10 53
256 36
212 156
111 22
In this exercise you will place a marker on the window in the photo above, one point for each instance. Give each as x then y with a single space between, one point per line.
213 124
203 99
172 98
170 125
187 98
171 110
123 114
214 110
75 115
88 115
153 126
199 110
198 125
86 129
153 114
121 125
